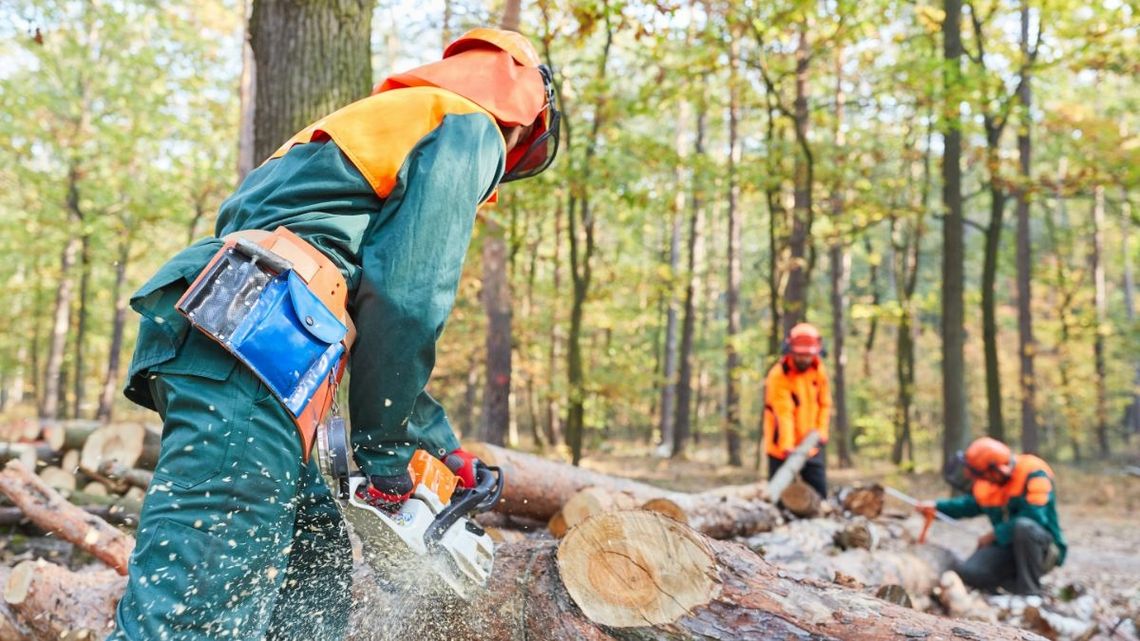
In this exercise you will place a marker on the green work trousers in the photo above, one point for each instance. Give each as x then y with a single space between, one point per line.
238 538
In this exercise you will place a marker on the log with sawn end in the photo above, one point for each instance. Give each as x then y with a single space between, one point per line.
538 488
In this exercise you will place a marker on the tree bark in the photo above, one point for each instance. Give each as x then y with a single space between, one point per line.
50 405
118 323
840 261
996 424
683 420
607 581
795 294
52 602
1065 314
1100 302
732 284
312 58
581 259
955 415
1026 345
79 390
247 97
669 374
47 509
497 304
1132 425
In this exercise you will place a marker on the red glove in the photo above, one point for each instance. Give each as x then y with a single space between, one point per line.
926 509
462 464
387 492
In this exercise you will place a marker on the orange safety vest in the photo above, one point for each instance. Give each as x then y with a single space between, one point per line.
1035 491
795 403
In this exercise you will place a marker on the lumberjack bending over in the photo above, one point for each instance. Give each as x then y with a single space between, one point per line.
1018 495
365 217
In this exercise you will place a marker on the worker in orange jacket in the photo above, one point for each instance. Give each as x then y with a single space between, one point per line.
797 400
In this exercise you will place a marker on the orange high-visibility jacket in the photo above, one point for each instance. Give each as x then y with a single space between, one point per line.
795 403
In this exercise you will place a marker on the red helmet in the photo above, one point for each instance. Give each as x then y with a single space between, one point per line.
805 340
990 459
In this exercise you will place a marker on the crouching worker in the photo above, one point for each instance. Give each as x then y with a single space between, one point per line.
359 222
1019 496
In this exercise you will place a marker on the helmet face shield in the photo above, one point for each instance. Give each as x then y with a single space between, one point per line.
543 145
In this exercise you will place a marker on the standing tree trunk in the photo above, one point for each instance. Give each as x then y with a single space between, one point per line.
771 192
118 322
955 415
669 375
312 58
1132 425
876 300
1100 301
996 427
732 290
581 256
50 406
1067 290
795 296
247 96
840 261
497 303
79 389
682 428
1025 344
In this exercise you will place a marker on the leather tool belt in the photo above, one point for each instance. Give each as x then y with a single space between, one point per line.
279 306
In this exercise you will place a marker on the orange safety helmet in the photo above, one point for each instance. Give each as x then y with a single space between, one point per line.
990 459
804 339
501 72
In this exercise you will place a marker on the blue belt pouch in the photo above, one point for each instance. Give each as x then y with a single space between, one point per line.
290 339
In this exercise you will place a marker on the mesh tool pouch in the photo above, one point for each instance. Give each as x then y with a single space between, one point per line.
251 302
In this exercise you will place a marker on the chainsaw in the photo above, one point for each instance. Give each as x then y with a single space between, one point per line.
434 525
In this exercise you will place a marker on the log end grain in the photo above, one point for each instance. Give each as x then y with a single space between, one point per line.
637 568
800 499
668 508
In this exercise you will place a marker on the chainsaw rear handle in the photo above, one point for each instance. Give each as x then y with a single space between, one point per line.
488 488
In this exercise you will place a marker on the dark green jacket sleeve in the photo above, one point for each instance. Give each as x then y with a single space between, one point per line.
411 261
959 507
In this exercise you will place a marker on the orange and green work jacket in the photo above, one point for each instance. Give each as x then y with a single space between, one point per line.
387 188
795 403
1029 493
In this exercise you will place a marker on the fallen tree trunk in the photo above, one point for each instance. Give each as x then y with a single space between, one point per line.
865 501
633 575
538 488
801 499
51 512
617 573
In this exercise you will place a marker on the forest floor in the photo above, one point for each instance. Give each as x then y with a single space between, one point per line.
1099 508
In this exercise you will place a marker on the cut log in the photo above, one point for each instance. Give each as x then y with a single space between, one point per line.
95 488
499 535
122 442
10 627
557 525
53 434
537 488
961 603
668 508
744 597
25 453
801 499
70 461
792 466
76 433
51 512
866 501
58 479
10 516
53 602
119 478
857 534
594 500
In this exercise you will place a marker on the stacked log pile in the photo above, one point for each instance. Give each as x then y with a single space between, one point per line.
634 562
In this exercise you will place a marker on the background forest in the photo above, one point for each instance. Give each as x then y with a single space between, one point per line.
947 190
